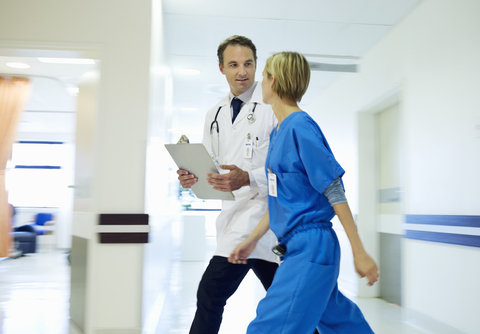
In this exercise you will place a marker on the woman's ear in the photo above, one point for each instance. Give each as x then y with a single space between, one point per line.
272 82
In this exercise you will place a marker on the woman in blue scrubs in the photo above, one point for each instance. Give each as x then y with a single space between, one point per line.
305 193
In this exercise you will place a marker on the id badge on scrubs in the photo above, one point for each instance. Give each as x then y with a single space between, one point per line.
272 183
248 148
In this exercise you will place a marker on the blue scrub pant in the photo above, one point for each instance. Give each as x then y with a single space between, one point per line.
304 293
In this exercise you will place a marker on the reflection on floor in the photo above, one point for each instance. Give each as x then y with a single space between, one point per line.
34 294
34 298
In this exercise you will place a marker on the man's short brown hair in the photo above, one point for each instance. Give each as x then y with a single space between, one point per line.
235 40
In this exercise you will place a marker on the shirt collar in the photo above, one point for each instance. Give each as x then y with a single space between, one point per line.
245 96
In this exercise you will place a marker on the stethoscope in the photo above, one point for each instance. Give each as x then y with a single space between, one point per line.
250 117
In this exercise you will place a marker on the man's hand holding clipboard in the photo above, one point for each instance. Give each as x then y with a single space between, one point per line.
194 164
233 180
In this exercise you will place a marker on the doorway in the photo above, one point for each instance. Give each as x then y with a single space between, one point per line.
41 167
380 189
389 209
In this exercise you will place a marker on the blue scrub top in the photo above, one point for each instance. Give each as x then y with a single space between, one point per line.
303 162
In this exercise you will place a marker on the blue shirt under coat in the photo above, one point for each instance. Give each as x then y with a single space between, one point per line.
300 157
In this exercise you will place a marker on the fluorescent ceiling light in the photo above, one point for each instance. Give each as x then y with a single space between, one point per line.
75 61
189 71
18 65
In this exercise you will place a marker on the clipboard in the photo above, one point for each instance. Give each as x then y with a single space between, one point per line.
196 160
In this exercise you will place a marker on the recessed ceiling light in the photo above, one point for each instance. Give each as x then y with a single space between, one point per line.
189 71
18 65
75 61
72 90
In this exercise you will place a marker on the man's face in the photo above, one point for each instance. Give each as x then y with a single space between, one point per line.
239 68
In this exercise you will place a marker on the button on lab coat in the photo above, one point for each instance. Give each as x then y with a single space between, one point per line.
238 218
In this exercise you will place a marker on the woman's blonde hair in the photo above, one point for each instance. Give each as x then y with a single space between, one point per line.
292 75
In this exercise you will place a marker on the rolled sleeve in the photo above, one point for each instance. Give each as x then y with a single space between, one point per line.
335 193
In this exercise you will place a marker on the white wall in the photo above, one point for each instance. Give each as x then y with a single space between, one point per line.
432 55
118 33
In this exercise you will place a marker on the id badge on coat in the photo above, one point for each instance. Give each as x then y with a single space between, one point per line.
248 148
272 183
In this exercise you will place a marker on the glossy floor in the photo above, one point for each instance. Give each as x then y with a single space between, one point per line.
34 299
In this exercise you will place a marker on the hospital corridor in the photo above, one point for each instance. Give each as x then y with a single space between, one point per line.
102 230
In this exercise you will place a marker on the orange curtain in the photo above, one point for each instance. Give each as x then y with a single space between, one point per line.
14 93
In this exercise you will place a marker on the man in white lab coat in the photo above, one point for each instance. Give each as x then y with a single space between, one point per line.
239 143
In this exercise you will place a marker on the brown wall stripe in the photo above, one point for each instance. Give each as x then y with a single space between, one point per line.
123 219
123 238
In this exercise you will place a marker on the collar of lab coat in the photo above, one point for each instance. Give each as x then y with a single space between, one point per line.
256 98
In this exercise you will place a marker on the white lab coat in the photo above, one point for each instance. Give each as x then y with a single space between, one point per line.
238 218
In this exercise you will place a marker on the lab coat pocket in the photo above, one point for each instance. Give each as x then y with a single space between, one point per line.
260 151
247 216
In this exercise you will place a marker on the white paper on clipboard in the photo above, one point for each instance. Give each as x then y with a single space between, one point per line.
196 160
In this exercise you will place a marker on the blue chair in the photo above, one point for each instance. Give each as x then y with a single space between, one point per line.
25 239
44 223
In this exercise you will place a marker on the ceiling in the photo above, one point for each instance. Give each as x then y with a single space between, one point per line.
326 31
330 31
51 107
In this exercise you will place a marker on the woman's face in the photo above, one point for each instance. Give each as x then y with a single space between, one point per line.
267 84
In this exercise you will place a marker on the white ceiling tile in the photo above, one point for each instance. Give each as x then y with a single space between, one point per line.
333 11
385 12
215 8
310 37
357 39
304 10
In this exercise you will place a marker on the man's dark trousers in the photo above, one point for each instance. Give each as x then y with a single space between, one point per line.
220 280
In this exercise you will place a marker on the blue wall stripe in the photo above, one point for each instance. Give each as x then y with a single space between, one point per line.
39 142
36 167
448 238
468 221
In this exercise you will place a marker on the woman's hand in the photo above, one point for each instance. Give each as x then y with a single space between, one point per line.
366 267
246 247
242 251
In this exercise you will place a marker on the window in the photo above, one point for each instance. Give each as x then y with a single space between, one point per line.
39 174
